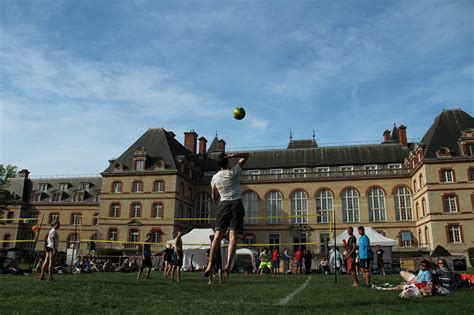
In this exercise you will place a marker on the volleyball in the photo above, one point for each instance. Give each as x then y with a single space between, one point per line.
239 113
35 228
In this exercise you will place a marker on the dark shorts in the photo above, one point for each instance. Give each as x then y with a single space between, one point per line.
275 264
364 263
231 216
298 264
49 249
146 262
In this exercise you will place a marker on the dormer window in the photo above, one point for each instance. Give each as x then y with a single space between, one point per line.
36 196
347 170
43 187
57 197
470 149
254 174
118 167
323 171
78 196
443 152
299 172
139 165
63 186
84 186
370 169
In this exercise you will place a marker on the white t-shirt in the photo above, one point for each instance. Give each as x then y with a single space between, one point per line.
53 239
228 183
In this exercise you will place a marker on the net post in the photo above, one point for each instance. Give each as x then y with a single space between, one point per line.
335 257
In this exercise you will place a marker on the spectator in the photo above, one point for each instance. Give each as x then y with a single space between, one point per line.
364 255
275 261
307 262
380 264
286 260
299 260
423 280
324 265
443 275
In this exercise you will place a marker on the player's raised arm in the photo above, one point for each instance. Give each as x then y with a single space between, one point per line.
243 157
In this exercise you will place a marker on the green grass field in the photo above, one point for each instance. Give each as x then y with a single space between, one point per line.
122 293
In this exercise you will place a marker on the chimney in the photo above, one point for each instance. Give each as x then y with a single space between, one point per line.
202 145
190 141
386 135
23 173
222 144
402 135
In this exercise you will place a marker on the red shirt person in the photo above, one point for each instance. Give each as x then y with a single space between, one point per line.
299 260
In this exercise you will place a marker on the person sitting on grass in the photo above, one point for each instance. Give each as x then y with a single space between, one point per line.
264 258
443 275
324 265
423 280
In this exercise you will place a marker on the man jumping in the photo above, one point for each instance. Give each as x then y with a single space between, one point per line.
226 183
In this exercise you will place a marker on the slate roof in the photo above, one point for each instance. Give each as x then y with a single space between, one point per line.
160 145
18 187
95 184
394 135
302 144
445 132
214 147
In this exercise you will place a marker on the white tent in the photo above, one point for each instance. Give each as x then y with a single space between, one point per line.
375 239
245 258
195 244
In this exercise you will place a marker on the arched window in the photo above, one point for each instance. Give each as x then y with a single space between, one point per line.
299 207
423 207
421 180
417 210
415 188
376 205
250 200
203 207
274 207
95 219
403 204
350 205
427 238
73 241
324 205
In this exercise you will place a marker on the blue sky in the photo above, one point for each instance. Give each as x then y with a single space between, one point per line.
81 80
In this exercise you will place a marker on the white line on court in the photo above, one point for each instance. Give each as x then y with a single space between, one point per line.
292 294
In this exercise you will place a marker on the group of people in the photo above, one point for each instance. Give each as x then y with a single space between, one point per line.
270 260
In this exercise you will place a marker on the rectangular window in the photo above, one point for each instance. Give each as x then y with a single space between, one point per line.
78 197
347 170
394 166
370 169
84 186
277 172
10 215
139 165
36 197
454 233
53 217
137 187
95 219
43 187
274 240
75 218
133 236
407 239
157 211
254 174
299 172
156 237
136 210
63 186
113 234
322 171
116 187
159 186
115 210
32 218
249 239
450 203
447 176
470 174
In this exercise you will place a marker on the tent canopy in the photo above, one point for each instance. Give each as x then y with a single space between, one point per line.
374 237
440 251
196 239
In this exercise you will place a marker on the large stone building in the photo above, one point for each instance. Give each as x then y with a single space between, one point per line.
421 194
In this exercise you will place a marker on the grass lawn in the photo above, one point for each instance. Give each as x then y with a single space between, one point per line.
121 293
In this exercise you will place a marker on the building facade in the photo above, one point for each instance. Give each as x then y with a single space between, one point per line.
421 194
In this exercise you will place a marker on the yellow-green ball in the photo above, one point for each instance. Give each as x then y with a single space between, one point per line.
239 113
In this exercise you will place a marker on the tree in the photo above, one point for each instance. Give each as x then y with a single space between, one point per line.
6 172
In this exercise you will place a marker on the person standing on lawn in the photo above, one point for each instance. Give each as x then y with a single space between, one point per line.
226 184
351 256
364 255
51 251
146 262
299 260
275 261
